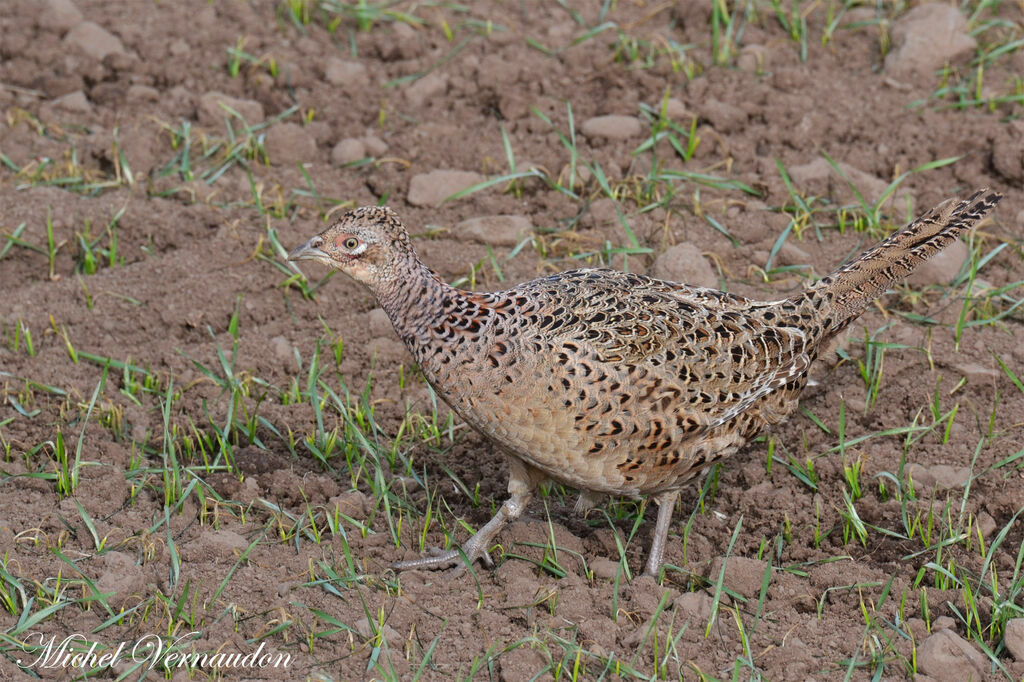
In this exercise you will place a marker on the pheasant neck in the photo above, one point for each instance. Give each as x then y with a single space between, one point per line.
415 298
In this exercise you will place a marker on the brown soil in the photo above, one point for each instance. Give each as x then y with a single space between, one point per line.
190 258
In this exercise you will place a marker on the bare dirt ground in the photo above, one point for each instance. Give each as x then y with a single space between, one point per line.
196 439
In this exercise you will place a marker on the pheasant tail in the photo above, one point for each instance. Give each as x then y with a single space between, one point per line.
851 288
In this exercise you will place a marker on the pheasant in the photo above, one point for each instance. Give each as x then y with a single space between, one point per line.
613 382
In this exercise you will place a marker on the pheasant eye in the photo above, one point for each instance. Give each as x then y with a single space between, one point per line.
350 243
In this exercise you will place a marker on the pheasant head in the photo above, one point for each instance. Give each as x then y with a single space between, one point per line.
369 244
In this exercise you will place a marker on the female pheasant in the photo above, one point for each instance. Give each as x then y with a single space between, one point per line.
608 381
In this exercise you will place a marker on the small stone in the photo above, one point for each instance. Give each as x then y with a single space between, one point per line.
122 578
513 105
758 223
981 285
430 86
927 38
581 175
143 93
1007 154
179 47
430 189
353 504
375 146
942 267
977 374
613 127
526 165
341 72
60 15
950 477
604 211
289 143
348 151
986 524
94 40
676 110
695 606
214 106
321 132
742 575
605 569
920 476
224 542
248 491
407 39
943 623
819 177
752 59
283 351
791 254
561 31
940 476
75 102
1013 638
800 661
368 632
496 230
948 657
723 117
686 264
918 628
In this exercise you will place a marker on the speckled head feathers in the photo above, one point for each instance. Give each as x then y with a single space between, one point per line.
377 220
366 243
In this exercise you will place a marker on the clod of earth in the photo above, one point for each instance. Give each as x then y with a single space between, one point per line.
614 382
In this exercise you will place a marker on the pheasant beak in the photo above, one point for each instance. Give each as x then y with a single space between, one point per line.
311 251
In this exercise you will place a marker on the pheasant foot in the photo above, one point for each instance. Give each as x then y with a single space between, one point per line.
522 481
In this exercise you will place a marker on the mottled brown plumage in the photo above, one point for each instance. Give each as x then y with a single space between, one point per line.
614 382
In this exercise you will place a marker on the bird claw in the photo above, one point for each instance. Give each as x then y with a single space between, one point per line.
435 560
438 559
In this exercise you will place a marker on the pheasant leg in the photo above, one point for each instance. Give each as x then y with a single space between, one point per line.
666 505
522 481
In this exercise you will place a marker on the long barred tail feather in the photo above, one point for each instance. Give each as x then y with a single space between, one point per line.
847 292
